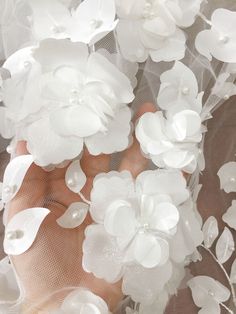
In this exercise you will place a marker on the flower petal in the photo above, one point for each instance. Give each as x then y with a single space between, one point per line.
14 176
210 231
74 216
22 230
120 219
225 246
230 216
75 177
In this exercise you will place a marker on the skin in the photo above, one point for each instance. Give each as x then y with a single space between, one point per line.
53 243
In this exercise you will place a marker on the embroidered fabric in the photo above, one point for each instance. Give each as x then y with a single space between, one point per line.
119 193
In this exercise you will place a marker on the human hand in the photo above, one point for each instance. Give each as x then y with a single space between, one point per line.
54 261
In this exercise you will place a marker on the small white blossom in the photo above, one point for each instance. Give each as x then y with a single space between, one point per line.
88 22
152 27
137 222
220 41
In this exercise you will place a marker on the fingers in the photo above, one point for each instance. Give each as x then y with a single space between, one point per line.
133 160
93 165
21 148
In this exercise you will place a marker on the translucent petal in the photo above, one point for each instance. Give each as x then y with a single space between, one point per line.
75 177
14 176
204 288
120 219
147 250
82 301
74 216
165 217
225 246
230 216
233 272
227 175
210 231
73 121
22 230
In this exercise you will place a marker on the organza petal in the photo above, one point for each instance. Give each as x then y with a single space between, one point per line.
101 255
14 176
74 216
22 230
75 178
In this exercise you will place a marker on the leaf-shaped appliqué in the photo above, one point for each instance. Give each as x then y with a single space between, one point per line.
225 246
22 230
207 293
75 177
14 175
230 216
227 176
210 231
74 216
233 272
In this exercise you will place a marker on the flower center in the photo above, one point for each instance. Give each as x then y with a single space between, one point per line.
96 23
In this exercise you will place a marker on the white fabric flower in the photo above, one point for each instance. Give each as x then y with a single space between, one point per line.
208 294
78 99
88 23
82 301
179 88
153 28
172 141
220 41
136 221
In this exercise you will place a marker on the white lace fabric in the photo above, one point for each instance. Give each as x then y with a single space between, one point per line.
84 87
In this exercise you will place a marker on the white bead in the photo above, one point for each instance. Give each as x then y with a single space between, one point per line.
8 189
14 235
224 39
76 214
185 91
232 180
71 182
211 293
96 23
10 149
27 64
226 97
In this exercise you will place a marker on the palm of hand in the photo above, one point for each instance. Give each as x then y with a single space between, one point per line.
55 259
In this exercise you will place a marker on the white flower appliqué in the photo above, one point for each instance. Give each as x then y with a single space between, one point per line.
82 301
88 23
152 27
136 225
69 91
220 40
171 140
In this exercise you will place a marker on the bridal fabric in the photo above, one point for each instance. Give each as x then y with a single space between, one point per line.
73 78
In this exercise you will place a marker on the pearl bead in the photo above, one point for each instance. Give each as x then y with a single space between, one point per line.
10 149
57 29
96 23
185 91
226 97
71 182
224 39
76 214
232 180
27 64
232 248
14 235
9 189
211 293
